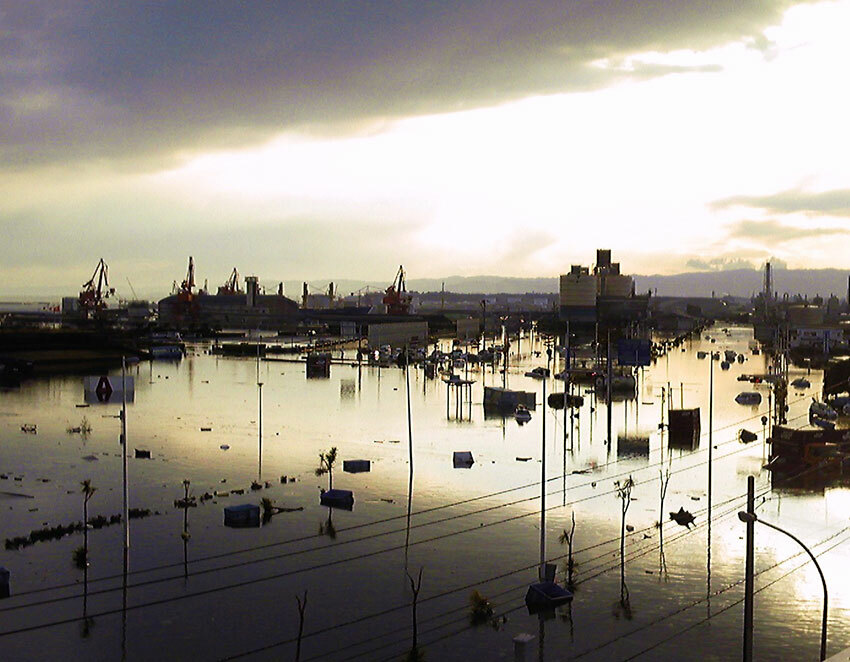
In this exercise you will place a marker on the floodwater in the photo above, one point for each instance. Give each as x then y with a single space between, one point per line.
230 593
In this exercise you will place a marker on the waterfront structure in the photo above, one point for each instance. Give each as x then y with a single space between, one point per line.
251 310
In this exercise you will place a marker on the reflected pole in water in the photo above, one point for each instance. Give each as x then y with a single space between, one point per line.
710 466
124 606
543 490
126 503
260 433
410 455
610 373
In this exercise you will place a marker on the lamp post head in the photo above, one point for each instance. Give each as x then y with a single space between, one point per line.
746 517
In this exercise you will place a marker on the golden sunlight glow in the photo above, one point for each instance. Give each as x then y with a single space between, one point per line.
619 167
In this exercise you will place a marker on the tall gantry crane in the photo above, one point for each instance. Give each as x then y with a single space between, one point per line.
185 292
231 286
95 291
396 298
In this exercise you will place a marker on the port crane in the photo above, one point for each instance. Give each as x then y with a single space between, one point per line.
185 293
396 298
96 290
231 285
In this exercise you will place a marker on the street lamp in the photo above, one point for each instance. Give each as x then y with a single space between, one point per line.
750 518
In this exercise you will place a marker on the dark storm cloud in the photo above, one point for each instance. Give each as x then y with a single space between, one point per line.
133 80
773 232
824 203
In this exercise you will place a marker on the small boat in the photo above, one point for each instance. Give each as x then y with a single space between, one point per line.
538 372
822 410
821 422
521 414
746 436
748 398
730 354
755 351
701 354
740 358
724 365
801 382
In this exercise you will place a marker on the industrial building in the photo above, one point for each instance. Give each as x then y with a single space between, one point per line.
229 308
600 295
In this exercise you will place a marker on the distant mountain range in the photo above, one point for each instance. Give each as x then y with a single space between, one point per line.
738 282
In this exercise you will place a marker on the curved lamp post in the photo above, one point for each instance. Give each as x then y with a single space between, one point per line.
750 518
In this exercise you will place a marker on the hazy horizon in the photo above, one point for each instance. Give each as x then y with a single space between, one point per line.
733 282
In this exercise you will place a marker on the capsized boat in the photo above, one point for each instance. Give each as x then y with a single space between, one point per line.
748 398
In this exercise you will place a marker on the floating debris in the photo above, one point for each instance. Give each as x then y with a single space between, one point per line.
462 459
243 515
683 518
356 466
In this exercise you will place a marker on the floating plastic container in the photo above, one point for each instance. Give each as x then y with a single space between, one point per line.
462 459
546 595
5 576
242 516
338 499
356 466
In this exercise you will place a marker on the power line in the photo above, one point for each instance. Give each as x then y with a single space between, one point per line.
734 604
390 519
352 541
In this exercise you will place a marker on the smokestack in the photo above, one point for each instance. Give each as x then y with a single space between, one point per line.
304 296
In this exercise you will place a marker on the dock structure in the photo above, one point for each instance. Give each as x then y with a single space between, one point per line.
462 389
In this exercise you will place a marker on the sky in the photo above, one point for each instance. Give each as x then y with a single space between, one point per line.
337 140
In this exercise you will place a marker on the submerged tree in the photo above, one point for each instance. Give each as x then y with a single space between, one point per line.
87 491
624 493
480 608
327 528
326 466
664 476
302 606
567 539
414 654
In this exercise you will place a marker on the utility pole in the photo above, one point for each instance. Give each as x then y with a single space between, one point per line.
748 577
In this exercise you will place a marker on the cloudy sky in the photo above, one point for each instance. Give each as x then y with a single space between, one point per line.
330 140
